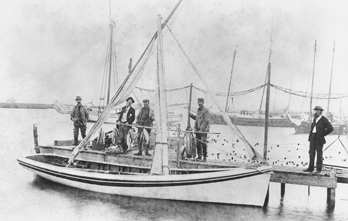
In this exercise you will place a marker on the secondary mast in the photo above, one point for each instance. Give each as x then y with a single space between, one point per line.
229 85
311 100
112 24
332 63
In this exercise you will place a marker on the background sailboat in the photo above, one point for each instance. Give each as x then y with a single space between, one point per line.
304 126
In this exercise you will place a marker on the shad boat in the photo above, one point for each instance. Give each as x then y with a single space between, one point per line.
157 176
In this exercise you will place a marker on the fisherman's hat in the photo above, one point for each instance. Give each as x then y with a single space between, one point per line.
318 108
78 98
130 98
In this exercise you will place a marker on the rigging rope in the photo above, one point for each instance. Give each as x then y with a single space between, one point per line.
238 93
306 95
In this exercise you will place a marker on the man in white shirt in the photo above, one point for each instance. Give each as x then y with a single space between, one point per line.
319 129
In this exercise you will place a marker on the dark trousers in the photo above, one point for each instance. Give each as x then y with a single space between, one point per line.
122 133
201 144
78 127
140 145
315 146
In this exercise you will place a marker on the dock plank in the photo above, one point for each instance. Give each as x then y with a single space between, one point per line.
294 175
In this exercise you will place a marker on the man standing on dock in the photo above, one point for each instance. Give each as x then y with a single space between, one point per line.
145 118
202 125
80 117
126 118
319 129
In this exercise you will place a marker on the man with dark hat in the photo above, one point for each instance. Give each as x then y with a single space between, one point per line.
319 129
80 117
145 118
202 125
126 117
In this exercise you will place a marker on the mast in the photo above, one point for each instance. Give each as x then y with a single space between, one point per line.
333 56
116 97
311 100
229 85
188 128
267 110
110 62
269 60
161 149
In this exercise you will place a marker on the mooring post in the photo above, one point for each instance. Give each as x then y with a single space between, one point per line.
282 189
331 194
36 142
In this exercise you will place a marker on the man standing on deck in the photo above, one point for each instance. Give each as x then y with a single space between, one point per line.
126 118
202 125
145 118
319 129
80 117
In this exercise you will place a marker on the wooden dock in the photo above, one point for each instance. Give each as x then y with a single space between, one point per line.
294 175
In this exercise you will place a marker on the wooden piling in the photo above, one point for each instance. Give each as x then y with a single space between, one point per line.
309 190
282 189
331 194
267 198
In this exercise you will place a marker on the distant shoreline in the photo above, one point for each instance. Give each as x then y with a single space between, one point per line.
26 105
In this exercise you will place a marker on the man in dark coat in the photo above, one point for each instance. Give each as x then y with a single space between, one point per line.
80 117
202 125
145 118
126 118
319 129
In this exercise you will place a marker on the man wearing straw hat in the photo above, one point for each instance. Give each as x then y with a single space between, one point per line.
80 117
125 120
202 125
319 129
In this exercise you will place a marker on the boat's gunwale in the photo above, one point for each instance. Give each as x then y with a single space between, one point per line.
137 180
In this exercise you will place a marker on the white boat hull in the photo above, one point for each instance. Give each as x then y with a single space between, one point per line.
232 186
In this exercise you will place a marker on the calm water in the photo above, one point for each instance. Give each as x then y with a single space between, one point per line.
26 197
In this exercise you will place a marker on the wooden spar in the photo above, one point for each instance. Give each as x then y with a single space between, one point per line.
178 147
110 63
161 103
267 111
229 85
311 100
188 128
332 63
154 128
130 65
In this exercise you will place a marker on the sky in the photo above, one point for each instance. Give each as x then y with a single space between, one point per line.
55 50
